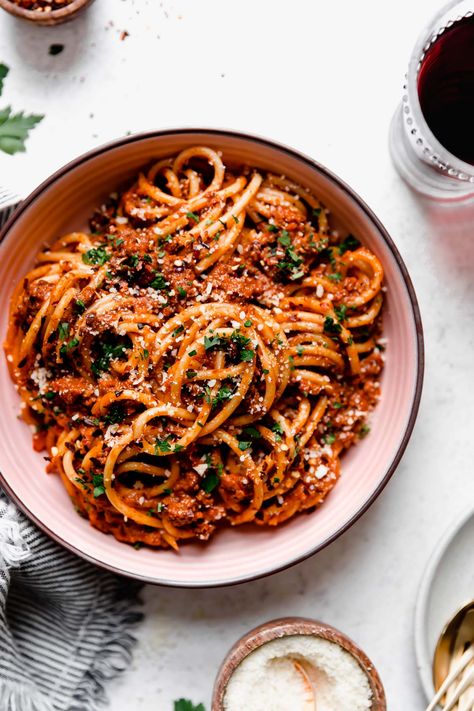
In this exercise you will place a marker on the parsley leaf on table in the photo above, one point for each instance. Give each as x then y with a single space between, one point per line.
14 129
3 73
186 705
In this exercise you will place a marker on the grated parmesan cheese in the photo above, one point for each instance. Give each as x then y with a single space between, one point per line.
266 680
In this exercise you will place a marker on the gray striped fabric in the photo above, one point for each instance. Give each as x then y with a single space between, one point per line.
65 626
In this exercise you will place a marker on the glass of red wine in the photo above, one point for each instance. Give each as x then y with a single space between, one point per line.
432 131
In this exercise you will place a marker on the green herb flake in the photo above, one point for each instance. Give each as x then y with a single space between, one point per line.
98 484
159 282
350 243
66 347
63 330
364 430
246 355
340 312
210 482
278 431
116 414
80 306
330 326
96 255
182 292
192 216
247 323
285 238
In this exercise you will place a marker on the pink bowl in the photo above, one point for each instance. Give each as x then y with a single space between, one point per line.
63 203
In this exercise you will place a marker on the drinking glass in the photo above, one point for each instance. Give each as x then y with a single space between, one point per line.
422 161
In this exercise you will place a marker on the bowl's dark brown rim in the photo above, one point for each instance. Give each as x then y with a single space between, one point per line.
420 360
44 17
289 627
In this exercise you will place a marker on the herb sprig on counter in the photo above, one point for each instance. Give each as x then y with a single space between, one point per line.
186 705
14 128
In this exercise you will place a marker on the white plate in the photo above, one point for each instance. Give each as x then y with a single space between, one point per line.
447 584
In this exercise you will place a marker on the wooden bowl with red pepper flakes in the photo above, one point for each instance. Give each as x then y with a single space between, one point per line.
45 12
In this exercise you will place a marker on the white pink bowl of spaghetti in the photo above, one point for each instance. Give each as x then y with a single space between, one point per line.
217 349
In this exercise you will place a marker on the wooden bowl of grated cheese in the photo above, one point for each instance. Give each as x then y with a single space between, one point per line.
299 664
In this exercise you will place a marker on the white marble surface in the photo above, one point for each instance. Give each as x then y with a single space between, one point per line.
324 77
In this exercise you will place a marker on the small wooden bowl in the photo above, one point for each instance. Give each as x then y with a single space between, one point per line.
291 626
55 17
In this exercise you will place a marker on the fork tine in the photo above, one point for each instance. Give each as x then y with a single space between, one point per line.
466 658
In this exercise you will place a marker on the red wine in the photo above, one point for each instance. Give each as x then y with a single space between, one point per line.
446 89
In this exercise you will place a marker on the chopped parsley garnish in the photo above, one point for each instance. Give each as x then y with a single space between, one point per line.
146 258
236 219
212 478
329 438
63 330
178 330
96 255
98 484
285 238
192 353
237 338
299 350
116 414
66 347
192 216
364 430
49 395
293 259
330 326
212 342
80 306
277 429
340 312
132 260
246 355
335 276
247 323
191 373
182 292
107 351
291 361
224 393
337 405
164 446
243 445
349 243
272 228
251 432
159 282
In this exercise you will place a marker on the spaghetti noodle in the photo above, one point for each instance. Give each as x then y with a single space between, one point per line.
202 355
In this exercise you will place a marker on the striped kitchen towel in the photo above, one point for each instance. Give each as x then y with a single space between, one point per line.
65 626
